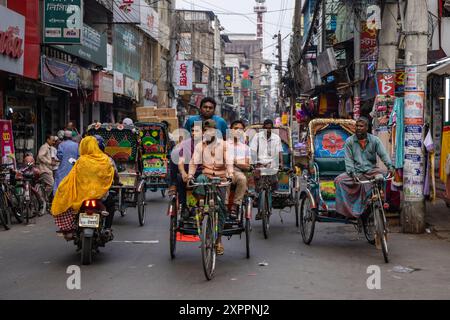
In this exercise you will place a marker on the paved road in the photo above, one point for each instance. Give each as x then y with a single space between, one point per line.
34 262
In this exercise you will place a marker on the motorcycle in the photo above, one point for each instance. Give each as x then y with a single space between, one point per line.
90 231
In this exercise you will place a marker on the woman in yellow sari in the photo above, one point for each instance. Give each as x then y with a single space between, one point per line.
90 178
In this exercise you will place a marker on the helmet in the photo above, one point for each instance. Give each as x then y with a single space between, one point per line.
101 142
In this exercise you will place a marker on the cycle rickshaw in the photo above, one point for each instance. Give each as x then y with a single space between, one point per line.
326 140
203 221
154 141
287 194
122 145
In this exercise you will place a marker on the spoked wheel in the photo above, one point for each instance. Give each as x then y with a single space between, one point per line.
247 224
297 208
247 237
3 217
265 214
381 232
28 212
173 226
208 250
15 205
141 207
86 250
307 220
368 224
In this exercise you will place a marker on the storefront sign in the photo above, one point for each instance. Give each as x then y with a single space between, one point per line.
103 87
118 83
6 141
411 79
127 11
228 83
356 108
183 75
149 94
149 20
63 21
12 44
368 43
386 83
414 104
131 88
400 80
205 74
126 53
92 48
59 73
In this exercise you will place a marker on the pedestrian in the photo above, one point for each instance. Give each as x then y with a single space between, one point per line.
46 164
67 155
54 150
127 121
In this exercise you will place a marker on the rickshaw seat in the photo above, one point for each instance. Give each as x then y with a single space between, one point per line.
330 167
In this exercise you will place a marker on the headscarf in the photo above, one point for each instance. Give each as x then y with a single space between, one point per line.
127 121
90 178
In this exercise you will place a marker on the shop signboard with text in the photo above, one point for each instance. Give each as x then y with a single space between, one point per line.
149 20
127 11
183 75
63 21
12 41
149 94
103 87
126 52
60 73
6 141
386 83
92 48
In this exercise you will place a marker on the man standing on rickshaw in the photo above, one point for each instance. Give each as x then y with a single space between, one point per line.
207 109
361 150
266 145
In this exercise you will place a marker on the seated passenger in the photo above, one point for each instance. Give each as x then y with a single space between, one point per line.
239 154
211 155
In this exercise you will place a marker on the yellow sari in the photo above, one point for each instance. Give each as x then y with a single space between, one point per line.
90 178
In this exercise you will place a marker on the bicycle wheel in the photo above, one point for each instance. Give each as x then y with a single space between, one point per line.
247 237
208 250
307 220
173 226
380 225
3 212
368 223
27 212
265 213
14 202
141 207
297 209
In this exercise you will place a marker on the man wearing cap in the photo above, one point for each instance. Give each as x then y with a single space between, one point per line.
207 108
67 154
211 155
361 150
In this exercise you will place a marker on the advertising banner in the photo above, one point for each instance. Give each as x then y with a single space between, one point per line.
92 48
149 20
63 21
228 83
126 56
149 94
12 41
127 11
6 141
386 83
414 106
59 73
183 75
103 87
118 83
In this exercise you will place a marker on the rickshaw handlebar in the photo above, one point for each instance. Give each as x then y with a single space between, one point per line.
377 178
192 183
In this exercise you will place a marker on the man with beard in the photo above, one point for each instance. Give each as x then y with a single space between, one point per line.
361 150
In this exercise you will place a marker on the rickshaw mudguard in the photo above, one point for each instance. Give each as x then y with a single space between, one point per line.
308 194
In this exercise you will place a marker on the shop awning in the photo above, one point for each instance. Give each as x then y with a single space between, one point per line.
443 69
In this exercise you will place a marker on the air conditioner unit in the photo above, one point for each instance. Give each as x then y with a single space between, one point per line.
326 62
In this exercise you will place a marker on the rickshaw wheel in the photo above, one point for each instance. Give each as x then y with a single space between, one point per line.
297 208
369 228
208 250
265 214
307 221
173 226
381 232
247 237
141 207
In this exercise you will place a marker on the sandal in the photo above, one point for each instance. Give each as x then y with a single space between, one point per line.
219 249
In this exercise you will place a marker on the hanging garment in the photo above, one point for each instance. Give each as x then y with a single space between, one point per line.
397 115
445 152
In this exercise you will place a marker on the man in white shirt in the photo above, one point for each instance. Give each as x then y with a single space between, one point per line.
266 145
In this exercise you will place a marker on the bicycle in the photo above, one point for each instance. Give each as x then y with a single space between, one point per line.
375 224
9 202
207 218
267 176
29 197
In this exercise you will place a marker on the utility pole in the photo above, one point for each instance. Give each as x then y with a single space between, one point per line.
280 73
416 36
357 57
